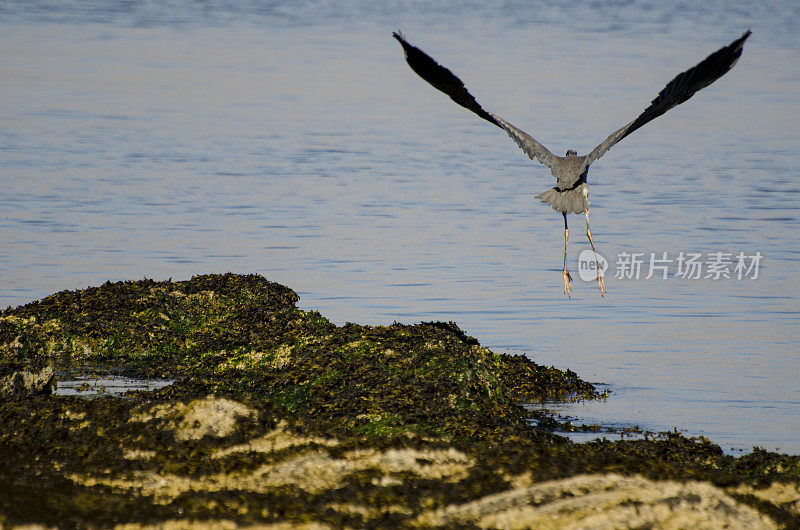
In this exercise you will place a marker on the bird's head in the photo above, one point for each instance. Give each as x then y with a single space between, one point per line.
572 152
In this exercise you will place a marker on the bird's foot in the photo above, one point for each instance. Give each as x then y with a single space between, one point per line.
567 283
600 282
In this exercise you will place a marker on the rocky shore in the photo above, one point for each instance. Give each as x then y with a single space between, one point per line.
280 419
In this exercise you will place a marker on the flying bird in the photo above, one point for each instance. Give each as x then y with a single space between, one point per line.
571 192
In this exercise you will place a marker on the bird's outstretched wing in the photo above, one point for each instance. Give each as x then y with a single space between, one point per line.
446 81
677 91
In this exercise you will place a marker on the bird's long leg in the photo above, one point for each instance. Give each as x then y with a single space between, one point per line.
596 263
567 277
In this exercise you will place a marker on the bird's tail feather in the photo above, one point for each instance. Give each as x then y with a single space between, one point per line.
570 201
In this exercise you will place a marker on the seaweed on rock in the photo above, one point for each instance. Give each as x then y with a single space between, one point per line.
279 416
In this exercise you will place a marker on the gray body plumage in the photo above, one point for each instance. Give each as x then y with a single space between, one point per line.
571 193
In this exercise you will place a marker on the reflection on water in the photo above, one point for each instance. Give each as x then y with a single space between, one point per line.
292 140
107 385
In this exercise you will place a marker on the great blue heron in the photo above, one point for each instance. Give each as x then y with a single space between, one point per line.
571 193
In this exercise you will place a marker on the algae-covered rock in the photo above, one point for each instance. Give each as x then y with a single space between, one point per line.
17 382
279 418
243 336
152 327
110 461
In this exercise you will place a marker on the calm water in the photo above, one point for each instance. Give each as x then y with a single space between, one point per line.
166 140
108 385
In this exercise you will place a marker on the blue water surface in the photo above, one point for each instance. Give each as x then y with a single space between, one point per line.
290 139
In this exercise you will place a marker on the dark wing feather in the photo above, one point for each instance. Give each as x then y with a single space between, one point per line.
680 89
441 78
446 81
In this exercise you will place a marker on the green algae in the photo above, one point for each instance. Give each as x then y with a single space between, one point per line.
427 388
244 336
151 327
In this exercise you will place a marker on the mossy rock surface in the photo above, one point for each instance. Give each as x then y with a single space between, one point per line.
279 417
243 336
